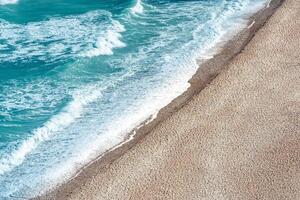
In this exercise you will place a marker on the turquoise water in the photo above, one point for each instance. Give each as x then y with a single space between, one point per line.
77 75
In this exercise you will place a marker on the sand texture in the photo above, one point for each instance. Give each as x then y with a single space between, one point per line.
239 138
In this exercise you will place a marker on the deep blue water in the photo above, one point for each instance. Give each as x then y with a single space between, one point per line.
77 75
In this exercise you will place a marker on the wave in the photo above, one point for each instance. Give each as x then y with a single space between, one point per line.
138 8
174 64
5 2
57 123
108 41
60 38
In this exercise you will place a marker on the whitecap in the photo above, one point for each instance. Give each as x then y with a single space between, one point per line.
5 2
70 37
138 8
108 41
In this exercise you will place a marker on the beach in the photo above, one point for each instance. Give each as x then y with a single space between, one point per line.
233 135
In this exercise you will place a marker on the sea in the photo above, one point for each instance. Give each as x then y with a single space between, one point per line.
76 76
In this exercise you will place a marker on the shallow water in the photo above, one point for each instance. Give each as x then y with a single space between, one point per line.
76 76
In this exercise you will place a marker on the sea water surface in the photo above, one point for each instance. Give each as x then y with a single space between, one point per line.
77 75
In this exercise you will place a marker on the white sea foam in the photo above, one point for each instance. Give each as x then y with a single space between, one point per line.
114 136
5 2
108 41
90 34
137 8
169 88
51 127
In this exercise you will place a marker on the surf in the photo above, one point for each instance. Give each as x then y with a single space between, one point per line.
84 37
87 79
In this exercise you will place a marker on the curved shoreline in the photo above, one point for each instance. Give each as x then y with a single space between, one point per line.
206 72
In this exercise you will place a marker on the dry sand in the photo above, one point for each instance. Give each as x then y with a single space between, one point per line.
239 138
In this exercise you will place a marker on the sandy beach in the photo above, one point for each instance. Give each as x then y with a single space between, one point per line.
238 138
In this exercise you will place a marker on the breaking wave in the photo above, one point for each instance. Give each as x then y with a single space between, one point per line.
108 41
138 8
92 34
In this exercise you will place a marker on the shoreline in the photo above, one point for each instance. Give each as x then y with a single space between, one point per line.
207 71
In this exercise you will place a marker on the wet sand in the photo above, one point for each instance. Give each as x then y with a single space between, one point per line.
239 138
